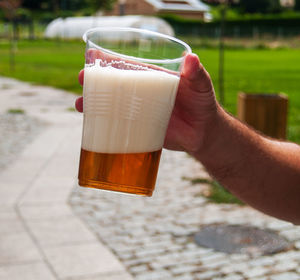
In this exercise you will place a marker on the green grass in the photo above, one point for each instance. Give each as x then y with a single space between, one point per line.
53 63
216 192
15 111
57 63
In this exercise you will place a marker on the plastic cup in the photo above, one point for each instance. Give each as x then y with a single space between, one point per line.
131 78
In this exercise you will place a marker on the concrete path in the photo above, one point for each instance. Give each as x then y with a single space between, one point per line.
40 237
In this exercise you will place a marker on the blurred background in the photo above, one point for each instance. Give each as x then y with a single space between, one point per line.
192 228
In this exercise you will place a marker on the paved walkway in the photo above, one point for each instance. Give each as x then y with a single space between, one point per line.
151 238
40 237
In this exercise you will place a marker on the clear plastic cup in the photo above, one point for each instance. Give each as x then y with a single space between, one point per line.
131 78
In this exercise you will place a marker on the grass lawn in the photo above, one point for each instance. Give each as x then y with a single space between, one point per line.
53 63
56 63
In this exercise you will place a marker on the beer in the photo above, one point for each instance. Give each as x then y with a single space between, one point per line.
131 173
126 114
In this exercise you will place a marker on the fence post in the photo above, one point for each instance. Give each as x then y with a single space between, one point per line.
264 112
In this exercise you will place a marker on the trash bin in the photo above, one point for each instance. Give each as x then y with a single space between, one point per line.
266 113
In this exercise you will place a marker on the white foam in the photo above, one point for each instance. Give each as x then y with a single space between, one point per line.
126 111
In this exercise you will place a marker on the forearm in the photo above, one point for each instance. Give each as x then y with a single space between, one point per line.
262 172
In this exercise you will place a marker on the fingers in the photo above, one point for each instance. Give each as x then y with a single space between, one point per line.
81 77
92 54
195 73
79 104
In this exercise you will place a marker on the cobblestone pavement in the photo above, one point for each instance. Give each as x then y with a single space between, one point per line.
153 237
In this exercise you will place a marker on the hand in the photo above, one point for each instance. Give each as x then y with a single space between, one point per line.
194 111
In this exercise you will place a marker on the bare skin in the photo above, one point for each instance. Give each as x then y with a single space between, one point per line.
263 172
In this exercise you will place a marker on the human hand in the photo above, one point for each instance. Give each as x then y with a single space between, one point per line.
194 110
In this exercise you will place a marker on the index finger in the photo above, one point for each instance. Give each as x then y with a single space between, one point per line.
94 54
81 77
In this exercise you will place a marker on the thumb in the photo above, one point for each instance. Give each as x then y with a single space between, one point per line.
194 72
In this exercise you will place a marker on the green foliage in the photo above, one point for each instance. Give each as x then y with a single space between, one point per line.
297 5
67 5
288 22
233 15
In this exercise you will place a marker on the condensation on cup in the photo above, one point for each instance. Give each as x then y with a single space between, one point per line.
131 78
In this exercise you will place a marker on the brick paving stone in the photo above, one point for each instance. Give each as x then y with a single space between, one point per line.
239 257
216 264
297 245
288 256
136 261
164 261
139 269
285 266
279 225
262 261
230 277
214 257
255 272
207 274
125 256
149 252
292 234
198 252
154 275
235 267
285 276
185 269
183 277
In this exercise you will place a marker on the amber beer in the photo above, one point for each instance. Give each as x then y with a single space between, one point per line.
131 173
126 114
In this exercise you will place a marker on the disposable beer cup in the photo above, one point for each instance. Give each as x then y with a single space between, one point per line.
131 78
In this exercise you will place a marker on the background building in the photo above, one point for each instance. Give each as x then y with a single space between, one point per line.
185 8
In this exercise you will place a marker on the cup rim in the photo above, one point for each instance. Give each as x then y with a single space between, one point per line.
188 49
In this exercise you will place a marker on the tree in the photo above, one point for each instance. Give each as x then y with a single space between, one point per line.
10 9
259 6
70 5
297 5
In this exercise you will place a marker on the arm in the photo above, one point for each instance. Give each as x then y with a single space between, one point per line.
262 172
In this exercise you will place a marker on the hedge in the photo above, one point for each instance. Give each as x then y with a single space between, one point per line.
287 24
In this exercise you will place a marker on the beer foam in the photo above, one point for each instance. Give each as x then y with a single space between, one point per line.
126 111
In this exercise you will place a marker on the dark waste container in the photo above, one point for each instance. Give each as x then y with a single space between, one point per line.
266 113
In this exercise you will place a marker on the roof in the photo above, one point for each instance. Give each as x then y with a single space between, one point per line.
74 27
179 5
